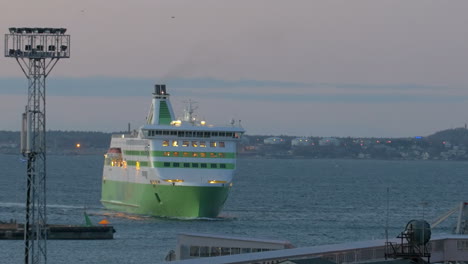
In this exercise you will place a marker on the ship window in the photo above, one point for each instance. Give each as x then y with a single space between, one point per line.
212 155
186 154
203 154
175 154
213 165
222 166
167 153
194 144
174 133
222 134
185 143
215 251
165 143
203 165
202 144
175 164
221 144
225 251
221 155
194 165
214 134
229 134
180 133
204 251
158 132
186 165
167 164
199 134
213 144
175 143
245 250
195 154
194 251
165 132
206 134
188 133
235 251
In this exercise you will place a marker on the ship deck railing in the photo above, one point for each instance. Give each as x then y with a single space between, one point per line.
123 135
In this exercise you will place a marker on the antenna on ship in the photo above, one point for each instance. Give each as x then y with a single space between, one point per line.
37 51
189 110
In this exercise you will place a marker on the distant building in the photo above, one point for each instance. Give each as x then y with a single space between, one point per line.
273 141
301 142
329 142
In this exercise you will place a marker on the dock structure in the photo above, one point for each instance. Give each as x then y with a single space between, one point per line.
443 249
13 231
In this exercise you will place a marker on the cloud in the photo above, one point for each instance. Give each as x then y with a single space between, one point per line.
256 90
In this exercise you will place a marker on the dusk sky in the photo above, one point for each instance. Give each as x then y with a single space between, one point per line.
305 68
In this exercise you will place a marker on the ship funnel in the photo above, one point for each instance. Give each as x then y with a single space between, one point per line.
161 109
160 89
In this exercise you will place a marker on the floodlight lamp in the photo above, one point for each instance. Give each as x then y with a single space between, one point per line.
63 48
62 30
12 30
40 30
28 30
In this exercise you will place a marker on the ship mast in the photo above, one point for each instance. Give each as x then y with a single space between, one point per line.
189 110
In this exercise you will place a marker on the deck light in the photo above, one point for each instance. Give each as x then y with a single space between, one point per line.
216 181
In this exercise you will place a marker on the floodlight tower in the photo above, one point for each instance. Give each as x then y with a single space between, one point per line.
37 51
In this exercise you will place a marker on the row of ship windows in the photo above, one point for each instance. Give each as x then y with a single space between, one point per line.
193 154
194 165
173 165
196 251
195 144
205 134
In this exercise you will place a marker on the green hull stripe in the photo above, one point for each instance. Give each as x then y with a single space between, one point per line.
182 154
134 163
164 200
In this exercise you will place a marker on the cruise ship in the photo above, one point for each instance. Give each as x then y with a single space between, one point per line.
169 167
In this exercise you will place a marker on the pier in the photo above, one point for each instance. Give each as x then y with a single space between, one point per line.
13 231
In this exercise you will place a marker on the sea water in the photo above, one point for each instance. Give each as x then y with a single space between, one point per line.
307 202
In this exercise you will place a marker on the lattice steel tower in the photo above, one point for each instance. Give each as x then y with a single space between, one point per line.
37 51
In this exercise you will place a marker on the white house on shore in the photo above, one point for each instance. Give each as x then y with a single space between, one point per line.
273 141
302 141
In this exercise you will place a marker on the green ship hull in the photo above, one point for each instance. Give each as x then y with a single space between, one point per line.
164 200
